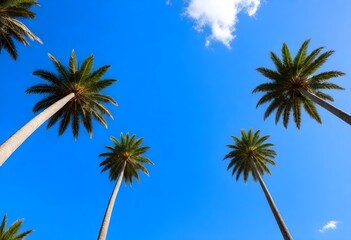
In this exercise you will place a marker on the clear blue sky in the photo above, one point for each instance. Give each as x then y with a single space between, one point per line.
186 100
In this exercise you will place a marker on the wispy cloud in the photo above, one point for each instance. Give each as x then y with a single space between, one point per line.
220 16
168 2
331 225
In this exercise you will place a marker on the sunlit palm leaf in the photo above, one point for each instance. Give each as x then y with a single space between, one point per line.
12 233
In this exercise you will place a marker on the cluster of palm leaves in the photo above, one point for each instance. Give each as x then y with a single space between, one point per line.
11 28
73 96
294 84
12 232
86 102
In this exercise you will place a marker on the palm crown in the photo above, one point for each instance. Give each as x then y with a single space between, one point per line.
250 147
12 29
12 233
127 151
87 103
290 76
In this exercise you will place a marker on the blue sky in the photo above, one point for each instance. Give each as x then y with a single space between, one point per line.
186 90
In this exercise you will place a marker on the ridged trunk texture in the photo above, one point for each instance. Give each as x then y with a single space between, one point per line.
337 112
106 221
12 143
283 229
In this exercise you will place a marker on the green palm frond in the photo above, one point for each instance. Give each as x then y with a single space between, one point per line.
292 74
46 102
286 114
312 56
270 74
85 69
311 110
86 84
272 106
73 64
325 76
277 62
287 60
12 29
12 233
301 55
296 111
312 67
250 146
127 150
324 96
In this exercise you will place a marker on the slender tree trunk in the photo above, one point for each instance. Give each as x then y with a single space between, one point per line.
106 221
337 112
12 143
283 229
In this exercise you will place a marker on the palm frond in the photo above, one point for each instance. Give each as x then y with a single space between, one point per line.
297 112
316 64
301 55
73 64
287 60
277 62
7 43
286 114
12 233
324 76
85 69
270 74
11 28
310 108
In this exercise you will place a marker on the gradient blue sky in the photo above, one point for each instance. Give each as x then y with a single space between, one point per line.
186 100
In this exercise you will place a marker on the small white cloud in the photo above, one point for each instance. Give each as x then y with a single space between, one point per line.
331 225
220 16
168 2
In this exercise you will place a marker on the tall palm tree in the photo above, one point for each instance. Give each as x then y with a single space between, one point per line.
72 95
12 233
294 83
250 155
123 160
11 28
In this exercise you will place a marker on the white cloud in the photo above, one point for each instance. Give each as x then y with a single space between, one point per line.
220 16
168 2
331 225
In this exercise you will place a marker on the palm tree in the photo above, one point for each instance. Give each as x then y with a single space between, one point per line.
123 160
250 155
72 95
294 84
12 233
12 29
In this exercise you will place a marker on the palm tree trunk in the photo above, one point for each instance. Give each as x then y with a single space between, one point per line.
106 221
337 112
12 143
283 229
